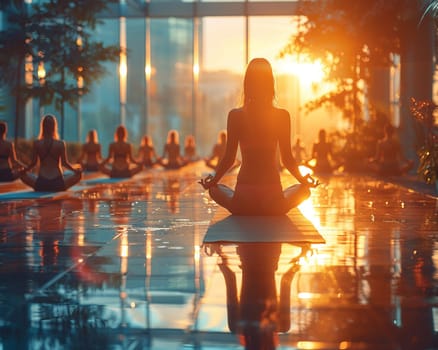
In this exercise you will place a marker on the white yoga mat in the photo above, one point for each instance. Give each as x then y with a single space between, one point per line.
291 228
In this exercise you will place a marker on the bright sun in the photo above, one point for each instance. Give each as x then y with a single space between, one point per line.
307 72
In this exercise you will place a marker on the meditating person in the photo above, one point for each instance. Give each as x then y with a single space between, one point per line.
389 159
322 154
172 158
123 165
259 128
299 151
146 152
218 151
51 154
10 167
190 153
91 155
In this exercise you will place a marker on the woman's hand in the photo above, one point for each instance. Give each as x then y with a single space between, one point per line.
310 181
207 182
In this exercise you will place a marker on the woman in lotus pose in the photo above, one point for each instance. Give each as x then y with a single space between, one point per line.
91 155
9 165
147 152
172 158
120 153
51 153
259 128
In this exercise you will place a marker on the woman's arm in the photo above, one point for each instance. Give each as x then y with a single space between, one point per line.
286 149
33 159
110 155
230 152
65 163
130 156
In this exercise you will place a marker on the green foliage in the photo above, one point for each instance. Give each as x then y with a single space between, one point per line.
348 38
424 114
57 34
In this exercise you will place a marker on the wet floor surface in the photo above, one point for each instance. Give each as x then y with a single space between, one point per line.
123 265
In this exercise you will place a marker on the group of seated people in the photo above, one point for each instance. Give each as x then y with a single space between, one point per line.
388 159
51 154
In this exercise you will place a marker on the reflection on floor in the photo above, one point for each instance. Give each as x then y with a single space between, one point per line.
123 265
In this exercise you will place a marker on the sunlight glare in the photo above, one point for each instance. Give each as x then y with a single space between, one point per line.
307 72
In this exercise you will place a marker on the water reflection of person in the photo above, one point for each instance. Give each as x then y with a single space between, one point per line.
172 192
257 315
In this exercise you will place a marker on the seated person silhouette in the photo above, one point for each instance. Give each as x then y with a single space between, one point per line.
190 154
52 156
171 158
147 153
389 159
9 165
299 151
322 154
259 128
91 155
120 154
260 311
218 151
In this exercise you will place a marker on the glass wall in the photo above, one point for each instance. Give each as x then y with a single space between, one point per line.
186 74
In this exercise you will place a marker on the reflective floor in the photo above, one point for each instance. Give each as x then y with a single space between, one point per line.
126 265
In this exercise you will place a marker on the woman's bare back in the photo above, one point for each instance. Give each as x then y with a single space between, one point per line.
50 153
259 137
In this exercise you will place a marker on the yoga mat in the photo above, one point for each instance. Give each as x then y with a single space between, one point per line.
103 180
27 195
291 228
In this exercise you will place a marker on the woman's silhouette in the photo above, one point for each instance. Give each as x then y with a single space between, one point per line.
259 128
9 165
190 154
389 159
146 152
171 158
91 155
120 152
322 153
261 310
52 156
218 151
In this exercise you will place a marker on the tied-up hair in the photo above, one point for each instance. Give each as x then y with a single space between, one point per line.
49 127
258 83
92 136
121 133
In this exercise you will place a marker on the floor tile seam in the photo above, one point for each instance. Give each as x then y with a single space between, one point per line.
81 261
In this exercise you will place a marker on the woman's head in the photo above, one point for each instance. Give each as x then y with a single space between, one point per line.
258 83
3 130
92 136
173 136
146 141
121 133
322 136
189 140
49 127
222 137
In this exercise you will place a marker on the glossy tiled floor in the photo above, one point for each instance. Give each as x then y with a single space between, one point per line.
122 265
